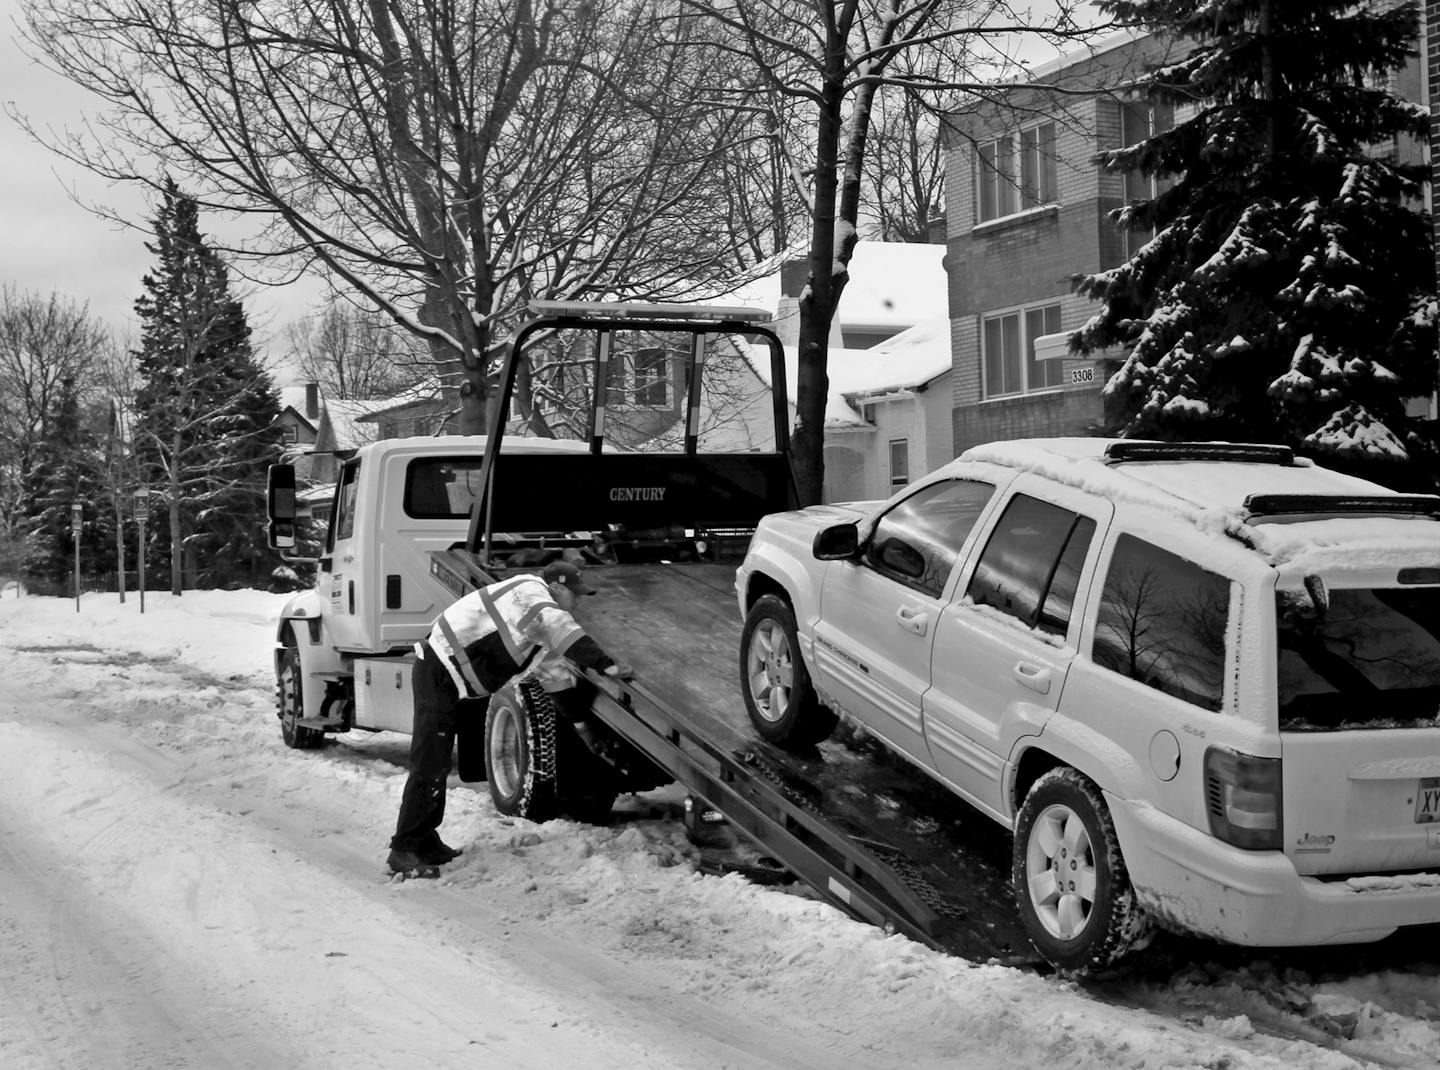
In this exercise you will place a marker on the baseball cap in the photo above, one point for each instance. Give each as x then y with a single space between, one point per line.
567 575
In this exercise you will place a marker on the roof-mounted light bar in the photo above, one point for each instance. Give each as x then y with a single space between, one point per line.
615 310
1246 452
1342 505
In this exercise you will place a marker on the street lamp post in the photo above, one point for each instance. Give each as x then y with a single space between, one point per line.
142 514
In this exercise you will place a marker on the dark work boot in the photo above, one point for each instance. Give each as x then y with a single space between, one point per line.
438 853
410 864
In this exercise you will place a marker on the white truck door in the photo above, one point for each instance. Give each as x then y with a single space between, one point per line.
341 580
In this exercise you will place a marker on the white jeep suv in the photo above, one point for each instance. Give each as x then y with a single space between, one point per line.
1199 681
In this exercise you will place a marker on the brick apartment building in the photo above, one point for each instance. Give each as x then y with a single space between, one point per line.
1027 208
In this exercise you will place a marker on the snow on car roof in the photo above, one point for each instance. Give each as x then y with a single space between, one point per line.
1211 494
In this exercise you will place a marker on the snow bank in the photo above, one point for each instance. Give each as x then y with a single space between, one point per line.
160 775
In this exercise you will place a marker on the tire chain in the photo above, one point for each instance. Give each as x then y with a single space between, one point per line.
542 716
909 874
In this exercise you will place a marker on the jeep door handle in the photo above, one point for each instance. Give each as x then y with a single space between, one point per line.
913 619
1035 677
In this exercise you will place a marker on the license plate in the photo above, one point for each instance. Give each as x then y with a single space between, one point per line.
1427 801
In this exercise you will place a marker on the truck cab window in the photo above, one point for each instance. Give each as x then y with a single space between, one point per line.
919 540
441 488
1162 621
1035 550
344 522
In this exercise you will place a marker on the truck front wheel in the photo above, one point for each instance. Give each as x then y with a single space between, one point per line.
520 752
781 702
290 700
1069 877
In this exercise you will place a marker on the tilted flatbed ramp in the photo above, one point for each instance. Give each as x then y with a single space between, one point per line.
870 835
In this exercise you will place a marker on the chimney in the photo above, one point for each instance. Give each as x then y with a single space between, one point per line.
312 401
794 277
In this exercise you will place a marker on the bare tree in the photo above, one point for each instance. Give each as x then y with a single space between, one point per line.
43 342
829 60
904 176
354 354
446 161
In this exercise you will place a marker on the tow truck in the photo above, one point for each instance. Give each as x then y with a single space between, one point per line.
644 442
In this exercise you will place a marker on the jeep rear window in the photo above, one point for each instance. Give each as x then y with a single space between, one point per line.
1370 659
1162 622
441 488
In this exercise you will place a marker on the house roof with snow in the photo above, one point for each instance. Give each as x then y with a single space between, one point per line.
344 418
908 362
893 285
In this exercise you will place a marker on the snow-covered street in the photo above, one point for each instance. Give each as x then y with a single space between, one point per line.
179 889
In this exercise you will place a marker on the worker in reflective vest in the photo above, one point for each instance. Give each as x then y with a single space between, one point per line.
476 646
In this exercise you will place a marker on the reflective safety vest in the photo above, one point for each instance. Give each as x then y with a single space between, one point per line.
499 629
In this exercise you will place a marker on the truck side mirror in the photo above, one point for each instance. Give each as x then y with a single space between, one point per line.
836 543
280 506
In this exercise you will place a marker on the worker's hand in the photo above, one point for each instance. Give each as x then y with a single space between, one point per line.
620 671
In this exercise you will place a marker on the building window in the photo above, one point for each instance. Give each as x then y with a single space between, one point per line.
1140 121
652 378
1016 172
640 378
1008 357
899 462
289 433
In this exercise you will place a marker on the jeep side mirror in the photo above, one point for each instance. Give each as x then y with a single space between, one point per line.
836 543
280 506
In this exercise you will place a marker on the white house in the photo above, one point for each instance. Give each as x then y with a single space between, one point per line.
887 418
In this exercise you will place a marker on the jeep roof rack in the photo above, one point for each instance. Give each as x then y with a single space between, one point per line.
1342 504
1250 452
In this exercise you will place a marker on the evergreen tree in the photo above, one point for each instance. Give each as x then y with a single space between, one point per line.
66 473
204 409
1288 294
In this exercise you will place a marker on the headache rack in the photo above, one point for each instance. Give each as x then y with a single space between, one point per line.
1247 452
1257 505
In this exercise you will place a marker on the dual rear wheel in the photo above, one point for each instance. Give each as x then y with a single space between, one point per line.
530 754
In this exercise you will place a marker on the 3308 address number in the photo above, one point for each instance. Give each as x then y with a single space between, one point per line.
1082 375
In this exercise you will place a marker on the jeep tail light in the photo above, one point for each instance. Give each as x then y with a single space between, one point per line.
1242 797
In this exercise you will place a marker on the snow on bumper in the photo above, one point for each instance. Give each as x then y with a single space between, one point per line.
1191 880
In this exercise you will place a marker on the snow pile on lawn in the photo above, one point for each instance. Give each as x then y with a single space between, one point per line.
236 890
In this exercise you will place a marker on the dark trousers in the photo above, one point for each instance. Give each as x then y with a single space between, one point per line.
437 709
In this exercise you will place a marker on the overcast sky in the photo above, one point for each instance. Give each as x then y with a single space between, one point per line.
48 243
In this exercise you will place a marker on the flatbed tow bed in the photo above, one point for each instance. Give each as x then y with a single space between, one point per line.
870 837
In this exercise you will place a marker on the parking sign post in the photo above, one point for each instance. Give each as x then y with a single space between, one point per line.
142 514
77 518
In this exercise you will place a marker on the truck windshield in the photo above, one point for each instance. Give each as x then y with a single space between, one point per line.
1370 660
